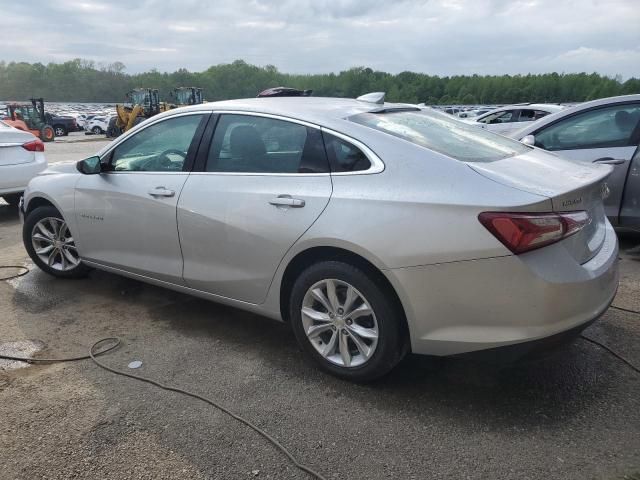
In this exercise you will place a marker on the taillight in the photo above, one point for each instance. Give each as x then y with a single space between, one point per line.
522 232
34 146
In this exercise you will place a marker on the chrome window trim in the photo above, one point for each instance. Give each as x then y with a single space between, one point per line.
377 165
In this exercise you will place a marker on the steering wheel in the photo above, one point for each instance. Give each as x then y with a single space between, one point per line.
162 160
173 151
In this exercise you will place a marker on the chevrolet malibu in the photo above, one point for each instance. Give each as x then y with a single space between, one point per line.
374 229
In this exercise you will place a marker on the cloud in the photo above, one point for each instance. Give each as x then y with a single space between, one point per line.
444 37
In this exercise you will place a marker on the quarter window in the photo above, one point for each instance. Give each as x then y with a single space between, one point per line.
162 147
601 128
343 156
252 144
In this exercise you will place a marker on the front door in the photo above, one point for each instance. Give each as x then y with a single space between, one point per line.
607 135
265 182
126 216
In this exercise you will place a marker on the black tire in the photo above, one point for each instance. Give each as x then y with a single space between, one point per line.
97 130
391 346
79 271
12 199
60 131
47 133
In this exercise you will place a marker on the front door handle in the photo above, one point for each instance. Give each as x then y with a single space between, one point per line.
161 192
609 161
287 201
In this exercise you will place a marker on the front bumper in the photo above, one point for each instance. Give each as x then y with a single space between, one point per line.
460 307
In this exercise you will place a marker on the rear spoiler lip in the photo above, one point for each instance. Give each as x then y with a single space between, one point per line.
605 170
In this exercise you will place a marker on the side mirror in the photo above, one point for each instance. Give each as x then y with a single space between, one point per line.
89 166
529 140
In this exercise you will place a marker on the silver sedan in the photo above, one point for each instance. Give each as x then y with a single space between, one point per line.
374 229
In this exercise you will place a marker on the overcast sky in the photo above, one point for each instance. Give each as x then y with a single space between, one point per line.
444 37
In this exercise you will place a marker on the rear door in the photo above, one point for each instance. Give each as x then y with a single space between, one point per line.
605 135
126 216
263 182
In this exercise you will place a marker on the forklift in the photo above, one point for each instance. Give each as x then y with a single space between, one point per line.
30 118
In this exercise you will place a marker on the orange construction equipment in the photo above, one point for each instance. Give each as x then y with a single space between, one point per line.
30 118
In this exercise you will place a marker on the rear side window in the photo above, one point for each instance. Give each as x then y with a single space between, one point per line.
442 134
252 144
600 128
343 156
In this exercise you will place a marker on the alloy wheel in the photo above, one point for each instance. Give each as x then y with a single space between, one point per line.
54 245
340 323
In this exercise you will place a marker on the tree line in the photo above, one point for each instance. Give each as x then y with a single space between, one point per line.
85 81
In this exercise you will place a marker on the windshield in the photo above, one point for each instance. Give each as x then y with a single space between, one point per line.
437 132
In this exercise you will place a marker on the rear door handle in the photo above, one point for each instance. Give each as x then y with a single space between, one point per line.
161 192
609 161
287 201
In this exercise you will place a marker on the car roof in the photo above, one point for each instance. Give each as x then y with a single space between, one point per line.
572 110
324 111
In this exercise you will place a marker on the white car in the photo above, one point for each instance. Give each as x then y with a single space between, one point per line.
98 125
505 120
21 159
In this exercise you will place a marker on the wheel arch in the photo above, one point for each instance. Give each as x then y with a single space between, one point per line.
312 255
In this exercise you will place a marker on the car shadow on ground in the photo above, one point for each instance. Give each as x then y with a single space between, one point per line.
8 213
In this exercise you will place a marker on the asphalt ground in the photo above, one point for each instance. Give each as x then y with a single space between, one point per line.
575 415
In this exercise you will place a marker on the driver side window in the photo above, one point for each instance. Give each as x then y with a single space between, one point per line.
161 147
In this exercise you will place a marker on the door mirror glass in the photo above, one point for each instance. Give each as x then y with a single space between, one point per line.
529 140
89 166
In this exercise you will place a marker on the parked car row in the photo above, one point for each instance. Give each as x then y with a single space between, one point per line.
356 221
508 119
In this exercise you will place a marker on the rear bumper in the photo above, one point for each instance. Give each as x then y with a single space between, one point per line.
14 178
469 306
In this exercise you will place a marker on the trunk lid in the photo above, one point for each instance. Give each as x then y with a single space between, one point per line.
570 186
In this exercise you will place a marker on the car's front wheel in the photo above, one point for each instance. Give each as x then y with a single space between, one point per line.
96 130
51 245
346 322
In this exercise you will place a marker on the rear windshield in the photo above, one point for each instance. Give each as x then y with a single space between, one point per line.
437 132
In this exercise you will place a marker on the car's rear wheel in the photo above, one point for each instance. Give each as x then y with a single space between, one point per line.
96 130
51 245
346 322
60 131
